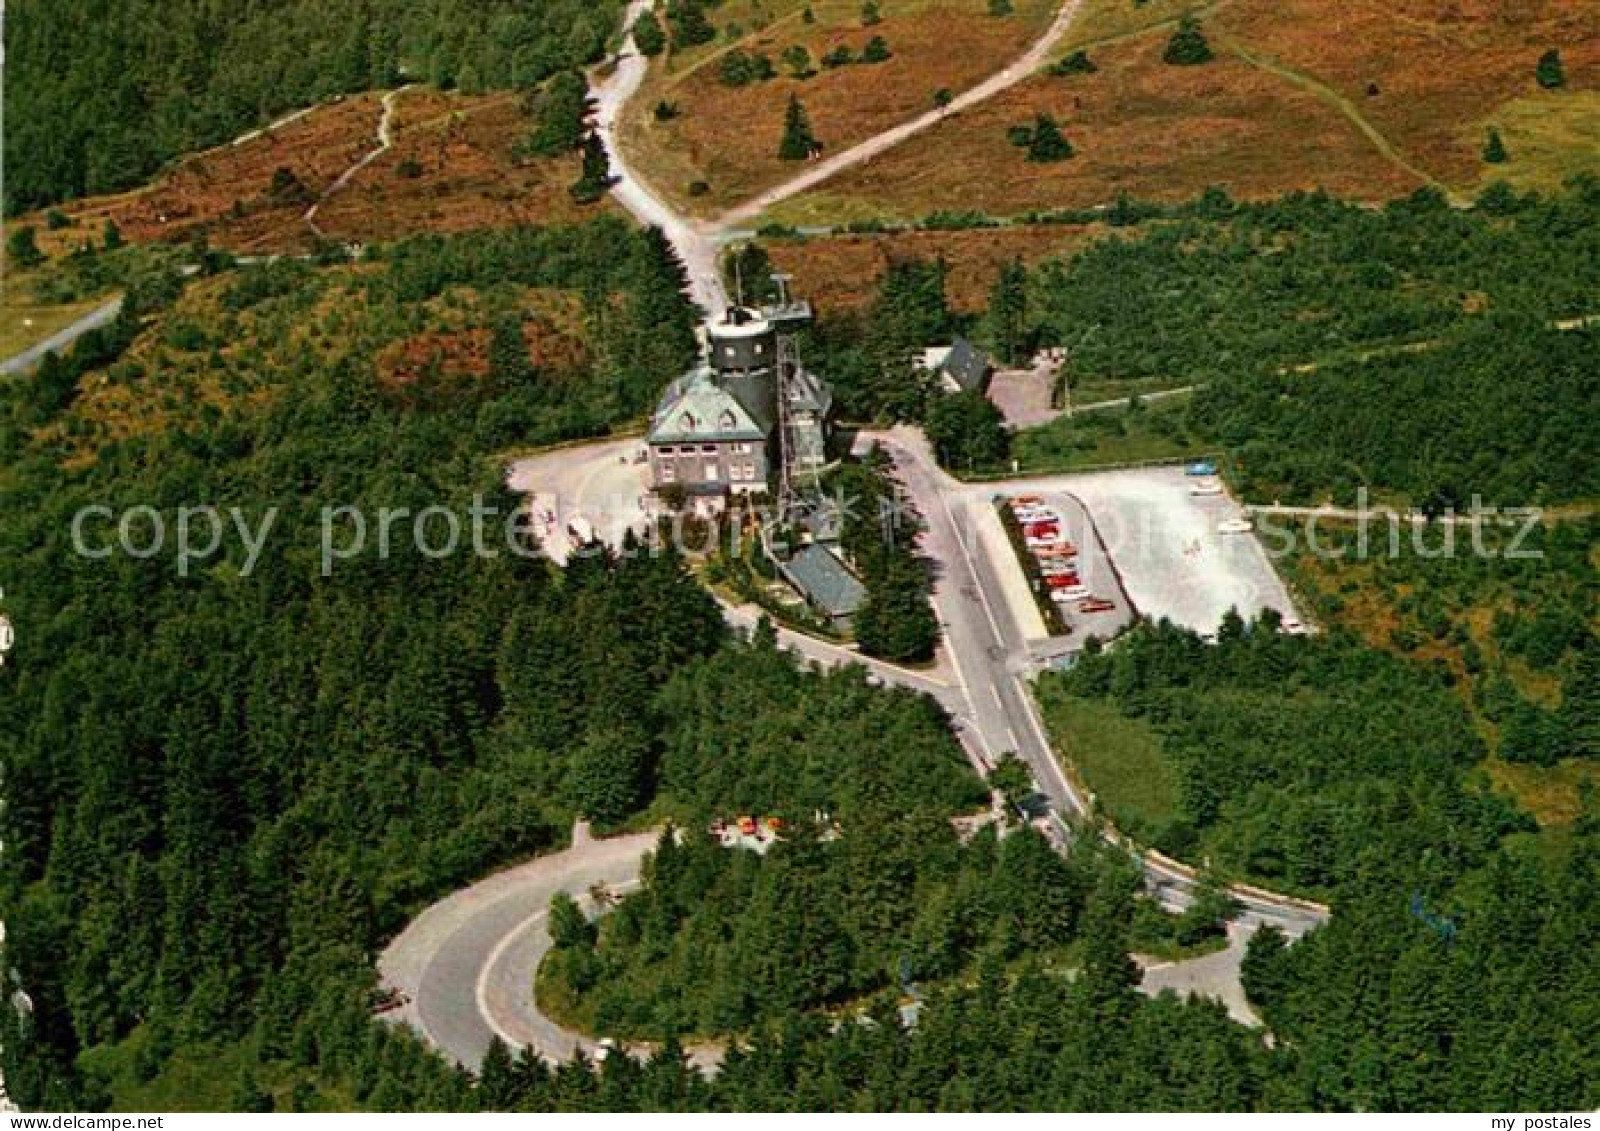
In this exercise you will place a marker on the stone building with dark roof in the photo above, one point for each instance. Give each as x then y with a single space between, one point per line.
722 429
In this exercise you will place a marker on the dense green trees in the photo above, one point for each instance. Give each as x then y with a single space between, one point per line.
1005 322
22 247
690 27
1046 143
741 68
967 431
722 940
648 36
896 621
560 111
1340 344
263 776
1289 749
101 93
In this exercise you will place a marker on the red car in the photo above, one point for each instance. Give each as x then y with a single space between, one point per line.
1063 581
1059 550
1096 605
1042 530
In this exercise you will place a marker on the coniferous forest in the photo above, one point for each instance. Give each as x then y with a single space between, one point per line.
230 781
101 94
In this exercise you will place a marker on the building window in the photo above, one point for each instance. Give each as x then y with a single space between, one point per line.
729 421
668 473
708 449
686 421
713 473
665 450
728 351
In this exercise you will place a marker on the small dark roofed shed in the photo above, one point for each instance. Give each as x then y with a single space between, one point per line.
824 582
966 366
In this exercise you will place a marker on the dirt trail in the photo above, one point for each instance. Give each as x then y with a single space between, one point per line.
693 242
385 142
830 167
1339 102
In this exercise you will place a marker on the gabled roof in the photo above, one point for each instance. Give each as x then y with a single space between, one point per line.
965 364
696 407
809 393
818 573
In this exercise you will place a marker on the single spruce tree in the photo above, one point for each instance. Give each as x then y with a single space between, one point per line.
1047 143
1552 75
1188 46
1494 149
798 141
596 176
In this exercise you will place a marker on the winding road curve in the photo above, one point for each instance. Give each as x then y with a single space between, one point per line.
466 965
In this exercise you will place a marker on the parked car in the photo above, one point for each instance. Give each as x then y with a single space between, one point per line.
1096 605
1061 548
1065 581
1201 467
1235 526
1205 487
1072 593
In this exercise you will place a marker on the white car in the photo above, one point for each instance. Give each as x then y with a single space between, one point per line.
1075 593
1207 486
1045 543
1037 514
1235 526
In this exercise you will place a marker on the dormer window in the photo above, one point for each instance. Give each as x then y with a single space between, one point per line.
729 422
686 422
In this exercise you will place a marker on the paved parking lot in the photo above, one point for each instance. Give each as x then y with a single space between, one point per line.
1158 550
1094 569
602 483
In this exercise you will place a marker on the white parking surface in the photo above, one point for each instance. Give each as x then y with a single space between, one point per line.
604 484
1164 542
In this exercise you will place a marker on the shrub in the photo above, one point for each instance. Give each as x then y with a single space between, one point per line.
1551 74
1188 46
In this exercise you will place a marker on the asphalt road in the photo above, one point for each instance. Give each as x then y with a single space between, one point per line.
991 657
100 316
466 964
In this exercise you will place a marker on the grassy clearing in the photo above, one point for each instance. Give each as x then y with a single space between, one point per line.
1120 759
1552 137
1140 127
1424 73
1110 436
25 322
842 272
